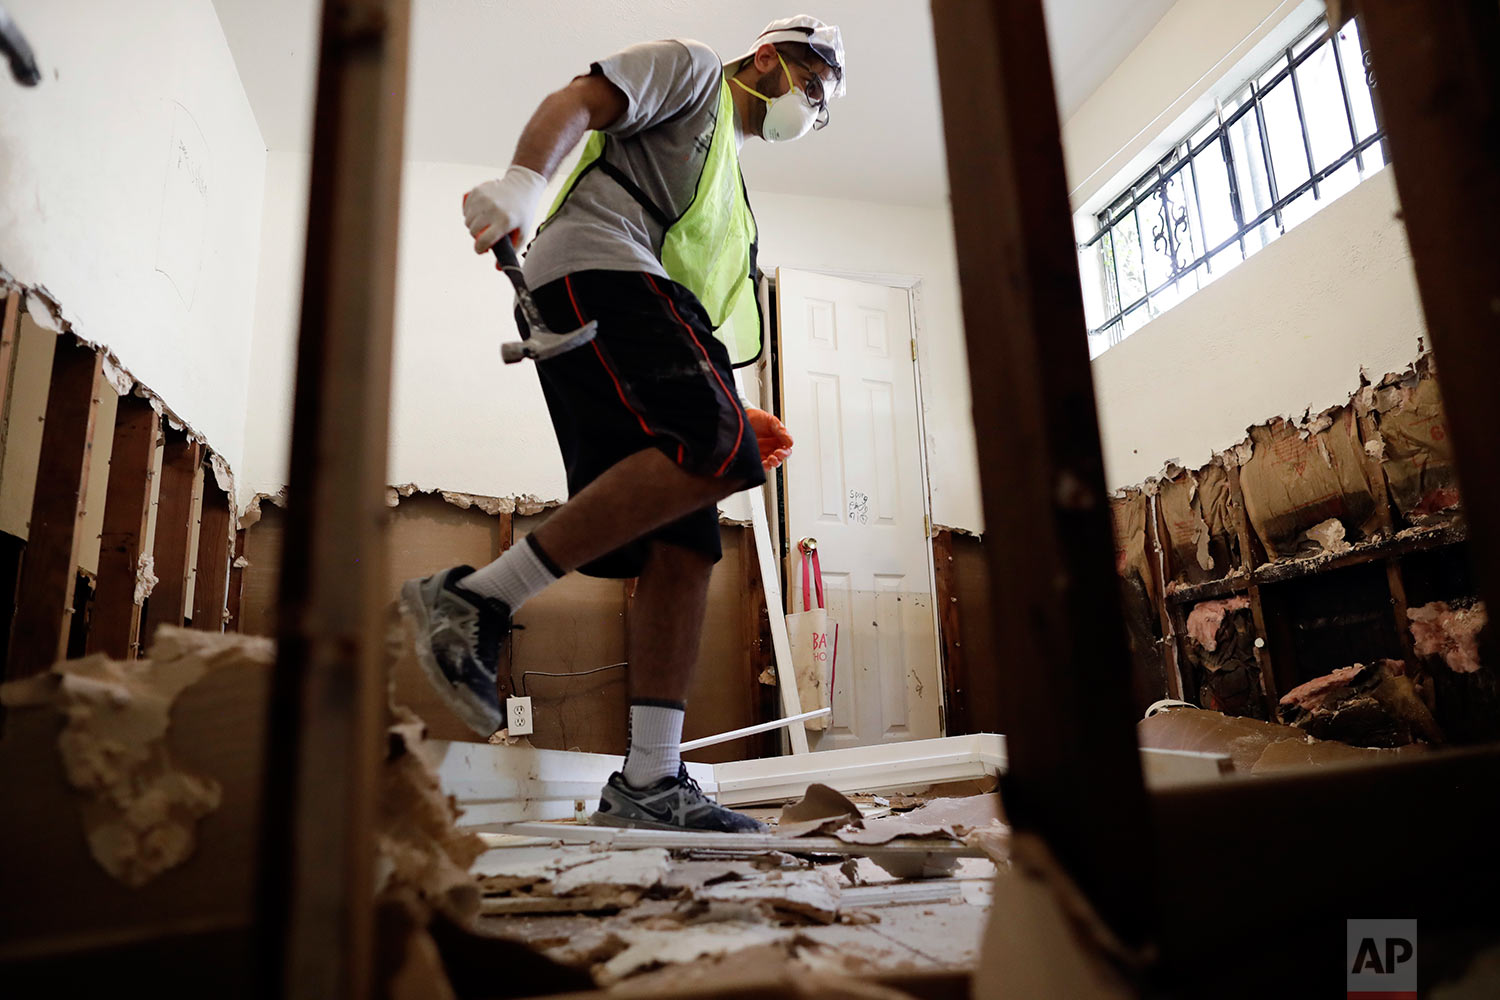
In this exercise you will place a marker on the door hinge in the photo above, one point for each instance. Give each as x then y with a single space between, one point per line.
927 525
914 348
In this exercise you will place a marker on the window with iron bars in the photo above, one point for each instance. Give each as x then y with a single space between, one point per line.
1295 136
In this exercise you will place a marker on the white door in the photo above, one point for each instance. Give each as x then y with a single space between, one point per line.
856 483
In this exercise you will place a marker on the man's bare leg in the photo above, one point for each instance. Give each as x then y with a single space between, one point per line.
666 620
634 496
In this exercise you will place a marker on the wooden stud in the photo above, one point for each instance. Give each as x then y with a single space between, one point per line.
234 603
315 911
1437 83
10 323
1062 695
127 509
505 681
955 679
1386 522
757 637
85 586
1172 630
50 567
1265 660
172 554
211 588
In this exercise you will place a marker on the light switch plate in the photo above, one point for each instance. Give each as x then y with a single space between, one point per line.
518 716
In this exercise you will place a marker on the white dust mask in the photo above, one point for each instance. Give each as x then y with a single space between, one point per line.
788 117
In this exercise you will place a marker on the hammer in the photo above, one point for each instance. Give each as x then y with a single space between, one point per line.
543 343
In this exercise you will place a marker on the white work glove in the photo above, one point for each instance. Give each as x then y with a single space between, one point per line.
500 207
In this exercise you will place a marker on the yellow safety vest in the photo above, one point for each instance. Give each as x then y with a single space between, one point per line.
710 248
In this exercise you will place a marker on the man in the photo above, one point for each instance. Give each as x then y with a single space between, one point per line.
652 237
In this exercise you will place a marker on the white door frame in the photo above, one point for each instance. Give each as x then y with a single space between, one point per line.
912 284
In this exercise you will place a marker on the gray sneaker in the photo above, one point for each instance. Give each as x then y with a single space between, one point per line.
669 804
459 636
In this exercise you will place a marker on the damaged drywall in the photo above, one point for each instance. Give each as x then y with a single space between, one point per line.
1298 477
418 847
1198 526
140 811
45 312
1414 448
1369 480
1140 590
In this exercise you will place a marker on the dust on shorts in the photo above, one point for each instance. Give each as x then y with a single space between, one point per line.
653 377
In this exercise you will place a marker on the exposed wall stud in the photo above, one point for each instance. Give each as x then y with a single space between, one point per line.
235 601
315 910
50 566
955 677
127 508
210 589
1063 689
172 552
10 322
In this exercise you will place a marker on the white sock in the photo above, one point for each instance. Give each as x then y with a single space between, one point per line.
655 742
522 572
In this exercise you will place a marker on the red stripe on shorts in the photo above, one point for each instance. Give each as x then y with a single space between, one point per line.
733 401
568 282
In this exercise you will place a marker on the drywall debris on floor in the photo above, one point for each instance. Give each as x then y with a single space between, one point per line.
140 811
419 848
641 919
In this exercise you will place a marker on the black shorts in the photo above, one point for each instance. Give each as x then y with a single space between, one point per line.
654 376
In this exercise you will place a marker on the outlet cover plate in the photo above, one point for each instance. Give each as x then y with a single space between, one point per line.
518 716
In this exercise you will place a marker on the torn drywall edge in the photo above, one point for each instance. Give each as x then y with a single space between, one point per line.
250 514
957 531
524 504
1395 392
44 309
1362 400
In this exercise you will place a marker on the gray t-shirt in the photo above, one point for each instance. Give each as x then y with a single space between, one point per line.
660 143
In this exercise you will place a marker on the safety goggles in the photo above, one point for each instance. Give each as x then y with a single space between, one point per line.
813 91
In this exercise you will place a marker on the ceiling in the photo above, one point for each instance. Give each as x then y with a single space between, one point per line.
479 67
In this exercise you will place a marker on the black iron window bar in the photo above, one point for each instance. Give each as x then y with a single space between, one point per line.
1173 230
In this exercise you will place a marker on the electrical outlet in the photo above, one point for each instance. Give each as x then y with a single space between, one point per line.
518 716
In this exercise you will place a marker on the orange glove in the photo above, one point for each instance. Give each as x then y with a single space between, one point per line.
775 442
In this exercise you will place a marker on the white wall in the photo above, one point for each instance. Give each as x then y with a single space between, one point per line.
462 421
1289 329
130 186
